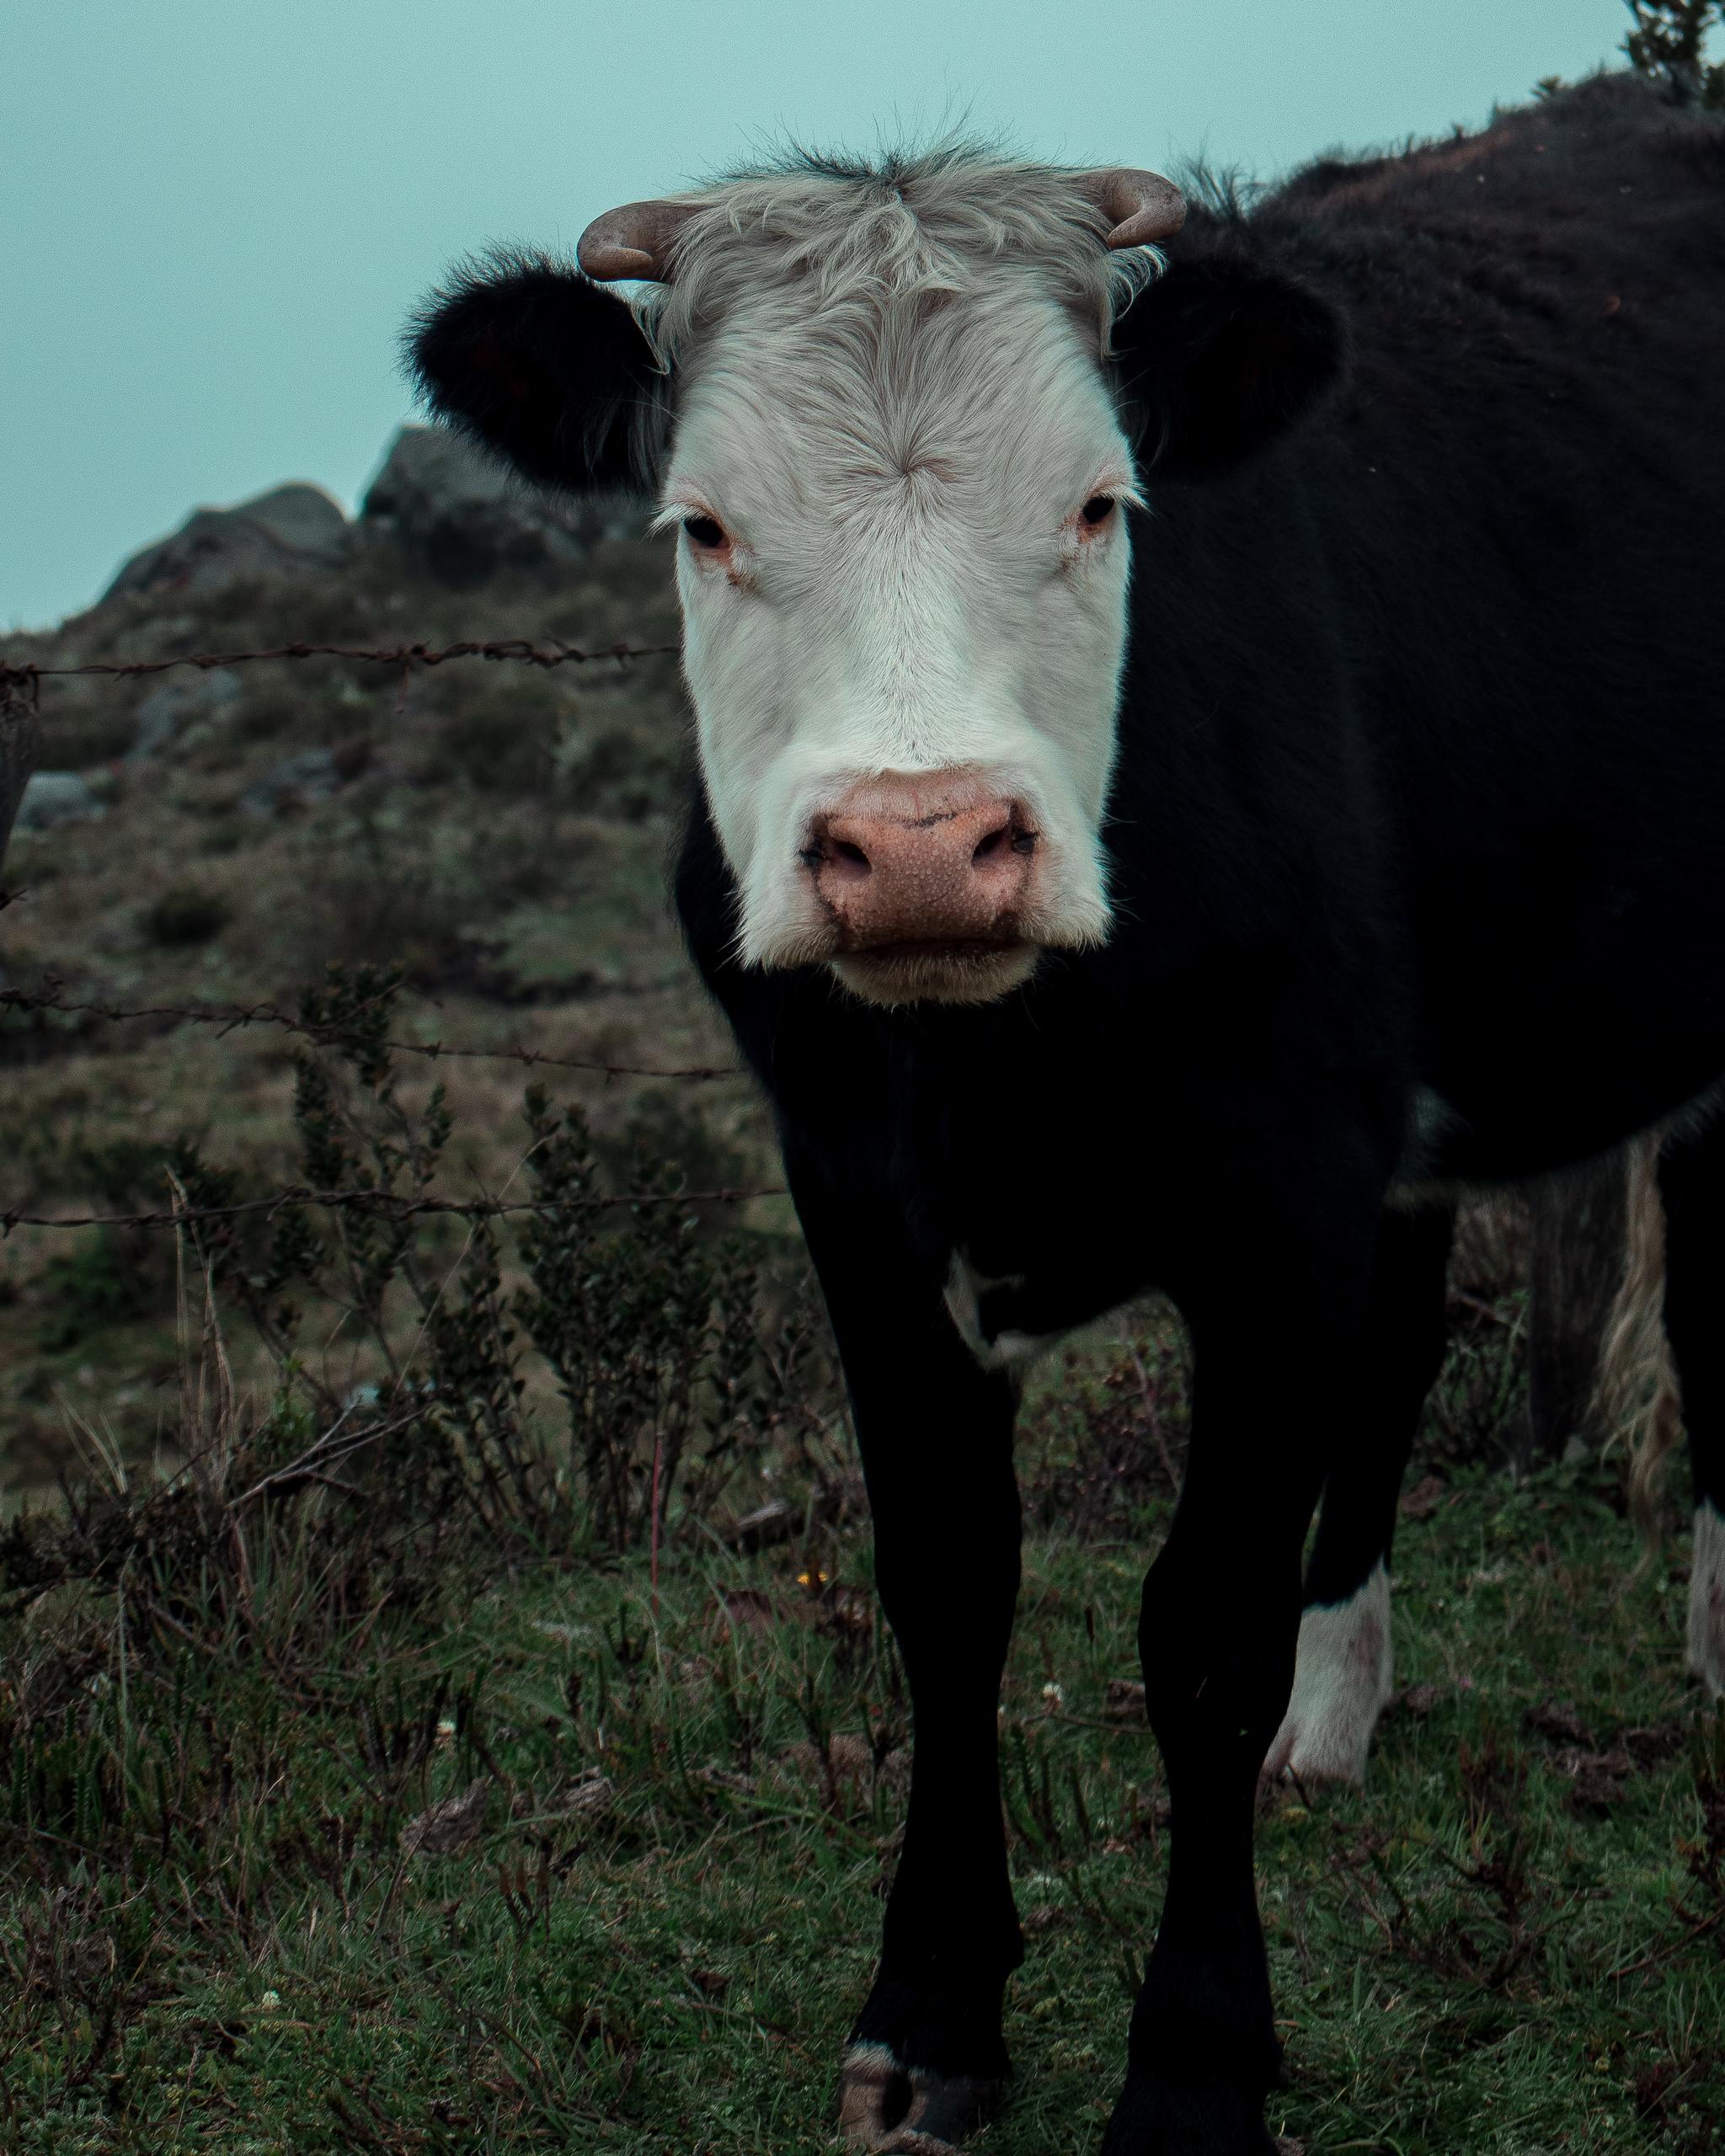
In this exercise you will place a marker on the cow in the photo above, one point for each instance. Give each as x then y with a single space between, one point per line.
1210 744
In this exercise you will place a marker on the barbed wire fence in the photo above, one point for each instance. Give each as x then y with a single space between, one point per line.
20 738
226 1018
295 1198
21 679
21 684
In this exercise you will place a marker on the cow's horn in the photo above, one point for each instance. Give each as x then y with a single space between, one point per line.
633 242
1140 206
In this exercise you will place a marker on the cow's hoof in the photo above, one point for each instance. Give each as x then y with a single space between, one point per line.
924 2065
1158 2118
1707 1600
1343 1681
909 2109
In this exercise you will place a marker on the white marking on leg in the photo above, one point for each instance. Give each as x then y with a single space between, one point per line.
1707 1600
965 1289
870 2079
1343 1681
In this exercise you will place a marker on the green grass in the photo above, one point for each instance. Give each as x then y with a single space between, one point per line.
213 1937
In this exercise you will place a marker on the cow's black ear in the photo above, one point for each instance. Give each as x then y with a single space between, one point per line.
1218 358
543 366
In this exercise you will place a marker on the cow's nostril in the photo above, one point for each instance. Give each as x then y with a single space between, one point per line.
1005 836
843 849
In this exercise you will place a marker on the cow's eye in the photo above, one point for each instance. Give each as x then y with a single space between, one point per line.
706 532
1097 510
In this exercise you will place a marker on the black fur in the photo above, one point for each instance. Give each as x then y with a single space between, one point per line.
535 362
1421 789
1220 357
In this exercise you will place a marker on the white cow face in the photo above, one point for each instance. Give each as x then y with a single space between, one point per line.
902 556
876 405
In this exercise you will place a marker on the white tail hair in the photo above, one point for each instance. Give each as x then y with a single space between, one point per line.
1636 1395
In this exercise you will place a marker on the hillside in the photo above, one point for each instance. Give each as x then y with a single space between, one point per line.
219 837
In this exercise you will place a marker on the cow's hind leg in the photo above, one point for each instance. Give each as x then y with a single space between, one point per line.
1692 1186
1344 1673
1218 1629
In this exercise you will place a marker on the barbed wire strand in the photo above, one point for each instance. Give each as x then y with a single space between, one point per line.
298 1199
28 673
227 1018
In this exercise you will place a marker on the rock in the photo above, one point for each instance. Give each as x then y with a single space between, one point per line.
1598 1777
448 1828
590 1792
52 798
775 1521
313 774
463 515
1125 1700
1556 1720
1424 1499
179 699
292 530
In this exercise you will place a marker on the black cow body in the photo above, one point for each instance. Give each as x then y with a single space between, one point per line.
1418 840
1416 836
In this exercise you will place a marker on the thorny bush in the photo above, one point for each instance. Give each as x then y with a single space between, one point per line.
581 1373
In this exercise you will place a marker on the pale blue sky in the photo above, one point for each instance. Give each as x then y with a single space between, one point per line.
214 214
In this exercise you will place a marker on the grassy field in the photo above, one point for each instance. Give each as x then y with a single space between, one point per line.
322 1836
359 1789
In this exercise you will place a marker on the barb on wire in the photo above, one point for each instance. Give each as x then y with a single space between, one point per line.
298 1199
229 1017
27 675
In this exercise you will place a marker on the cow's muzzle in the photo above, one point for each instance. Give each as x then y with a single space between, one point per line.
928 886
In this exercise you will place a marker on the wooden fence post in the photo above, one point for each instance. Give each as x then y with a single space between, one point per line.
1575 1267
18 737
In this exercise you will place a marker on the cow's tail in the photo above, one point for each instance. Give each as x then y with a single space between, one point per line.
1636 1399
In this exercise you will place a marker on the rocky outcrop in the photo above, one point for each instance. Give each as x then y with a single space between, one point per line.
462 515
313 774
52 798
453 510
179 703
295 530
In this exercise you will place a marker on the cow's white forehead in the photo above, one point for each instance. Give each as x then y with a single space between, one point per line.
853 244
985 413
863 353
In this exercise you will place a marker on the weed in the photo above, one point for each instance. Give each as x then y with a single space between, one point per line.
184 913
89 1288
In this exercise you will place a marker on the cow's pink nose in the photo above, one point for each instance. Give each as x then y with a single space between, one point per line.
919 861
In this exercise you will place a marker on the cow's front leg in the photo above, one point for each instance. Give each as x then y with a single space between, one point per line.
925 2056
1219 1623
925 2060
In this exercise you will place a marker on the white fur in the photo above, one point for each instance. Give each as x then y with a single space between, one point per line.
1707 1600
1342 1682
890 399
965 1288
